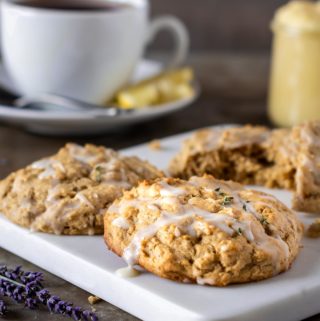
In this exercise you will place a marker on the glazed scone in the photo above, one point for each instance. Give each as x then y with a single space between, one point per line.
203 231
282 158
307 193
69 192
313 230
213 150
248 154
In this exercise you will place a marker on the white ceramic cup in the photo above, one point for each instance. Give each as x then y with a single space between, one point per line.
84 54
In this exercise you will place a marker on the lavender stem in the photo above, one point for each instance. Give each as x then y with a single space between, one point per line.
26 287
11 281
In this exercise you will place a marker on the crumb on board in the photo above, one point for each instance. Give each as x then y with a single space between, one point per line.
314 229
92 299
155 144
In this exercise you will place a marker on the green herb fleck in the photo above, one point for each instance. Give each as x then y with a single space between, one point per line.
98 174
244 207
239 231
217 189
263 221
227 200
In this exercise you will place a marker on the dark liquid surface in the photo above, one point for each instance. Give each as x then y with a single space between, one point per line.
78 5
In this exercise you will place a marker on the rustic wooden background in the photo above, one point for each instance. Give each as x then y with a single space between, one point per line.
235 25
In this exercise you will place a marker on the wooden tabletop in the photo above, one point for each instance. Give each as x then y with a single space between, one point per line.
234 90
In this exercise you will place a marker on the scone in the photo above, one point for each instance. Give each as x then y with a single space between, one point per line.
69 192
307 179
203 230
282 158
248 154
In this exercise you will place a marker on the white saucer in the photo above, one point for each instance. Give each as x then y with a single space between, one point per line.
70 123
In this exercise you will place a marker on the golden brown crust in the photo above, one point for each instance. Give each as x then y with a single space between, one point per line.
307 194
248 154
69 192
279 158
313 230
203 230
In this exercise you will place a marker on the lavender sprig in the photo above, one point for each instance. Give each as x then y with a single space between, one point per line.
27 288
3 308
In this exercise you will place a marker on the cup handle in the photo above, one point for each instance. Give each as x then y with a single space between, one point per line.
180 33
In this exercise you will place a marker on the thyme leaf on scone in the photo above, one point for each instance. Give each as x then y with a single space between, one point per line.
98 174
227 200
263 220
220 193
244 205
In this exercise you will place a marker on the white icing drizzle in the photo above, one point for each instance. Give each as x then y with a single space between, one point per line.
57 207
224 222
56 214
82 198
214 137
247 140
81 154
58 210
48 165
16 186
124 185
309 161
121 222
191 230
53 193
91 231
177 232
191 219
120 208
26 203
283 245
127 272
110 166
310 137
153 207
168 190
204 281
111 170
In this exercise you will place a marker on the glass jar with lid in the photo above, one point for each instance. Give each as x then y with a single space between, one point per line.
294 93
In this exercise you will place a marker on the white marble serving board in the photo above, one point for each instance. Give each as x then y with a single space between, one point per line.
85 262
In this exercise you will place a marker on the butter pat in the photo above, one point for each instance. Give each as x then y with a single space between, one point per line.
169 86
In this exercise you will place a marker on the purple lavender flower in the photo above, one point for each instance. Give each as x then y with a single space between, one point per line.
43 296
17 274
31 303
18 294
3 308
76 313
51 303
26 287
89 316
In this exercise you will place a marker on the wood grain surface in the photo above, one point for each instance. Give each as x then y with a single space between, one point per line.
222 24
